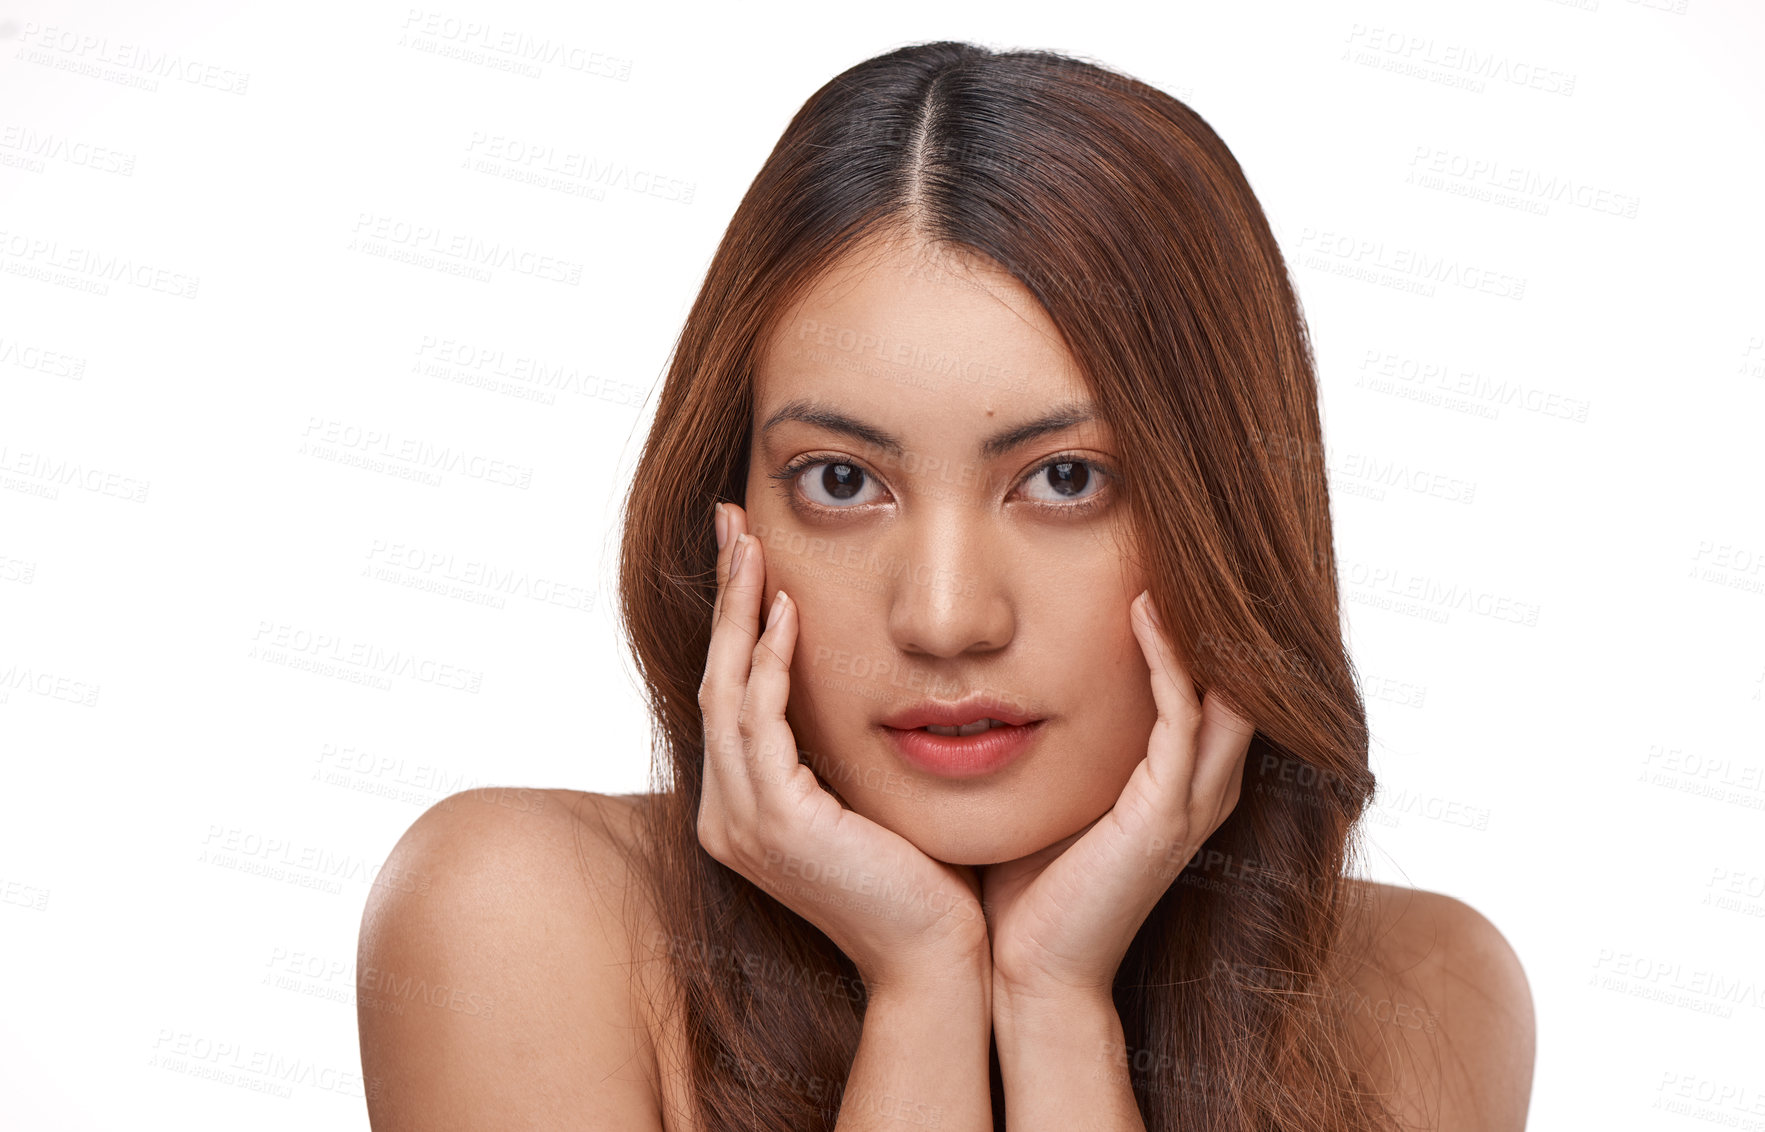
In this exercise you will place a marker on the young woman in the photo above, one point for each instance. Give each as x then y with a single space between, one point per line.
979 571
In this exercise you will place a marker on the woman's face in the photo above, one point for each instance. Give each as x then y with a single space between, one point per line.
928 565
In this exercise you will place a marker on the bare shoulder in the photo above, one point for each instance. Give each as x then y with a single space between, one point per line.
494 969
1443 1009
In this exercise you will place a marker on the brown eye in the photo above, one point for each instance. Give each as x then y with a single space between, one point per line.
1069 484
830 484
838 483
1067 479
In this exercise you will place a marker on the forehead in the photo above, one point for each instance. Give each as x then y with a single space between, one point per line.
903 331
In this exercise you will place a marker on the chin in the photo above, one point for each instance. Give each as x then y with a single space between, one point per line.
960 849
958 838
981 821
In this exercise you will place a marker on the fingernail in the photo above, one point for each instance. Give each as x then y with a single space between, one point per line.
722 524
1147 608
777 604
735 560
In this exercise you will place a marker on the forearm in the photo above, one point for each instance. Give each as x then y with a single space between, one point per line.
922 1058
1064 1065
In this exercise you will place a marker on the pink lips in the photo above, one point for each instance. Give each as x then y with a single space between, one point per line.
964 756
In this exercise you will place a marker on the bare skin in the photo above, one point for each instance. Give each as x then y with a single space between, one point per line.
996 907
1056 922
947 569
1013 896
577 1034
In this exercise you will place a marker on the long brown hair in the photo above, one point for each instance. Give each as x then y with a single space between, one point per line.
1124 214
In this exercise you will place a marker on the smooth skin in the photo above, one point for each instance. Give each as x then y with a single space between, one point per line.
958 563
999 590
524 986
1056 923
994 908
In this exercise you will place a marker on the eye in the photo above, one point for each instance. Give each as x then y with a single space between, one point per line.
839 482
1073 484
1067 476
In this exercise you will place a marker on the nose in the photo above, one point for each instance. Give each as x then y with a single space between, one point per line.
950 585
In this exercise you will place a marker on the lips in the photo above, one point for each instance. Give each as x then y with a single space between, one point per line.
965 730
968 710
966 756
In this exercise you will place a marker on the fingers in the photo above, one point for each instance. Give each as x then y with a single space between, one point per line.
1198 747
1222 745
775 771
734 634
749 746
762 808
1179 710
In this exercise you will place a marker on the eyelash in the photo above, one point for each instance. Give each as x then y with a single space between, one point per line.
788 474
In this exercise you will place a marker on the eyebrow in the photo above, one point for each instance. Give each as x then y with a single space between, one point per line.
1065 415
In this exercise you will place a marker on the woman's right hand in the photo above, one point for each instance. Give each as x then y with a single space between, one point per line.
899 915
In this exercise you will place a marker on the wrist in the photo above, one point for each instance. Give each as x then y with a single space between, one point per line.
949 974
1052 1028
1029 1001
1060 1055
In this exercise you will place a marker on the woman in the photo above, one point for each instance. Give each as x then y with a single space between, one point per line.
996 409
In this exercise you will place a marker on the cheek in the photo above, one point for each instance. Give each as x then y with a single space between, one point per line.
1117 701
834 676
818 688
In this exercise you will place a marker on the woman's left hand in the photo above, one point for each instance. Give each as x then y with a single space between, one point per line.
1061 919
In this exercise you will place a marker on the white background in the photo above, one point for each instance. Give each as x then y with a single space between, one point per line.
1546 487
